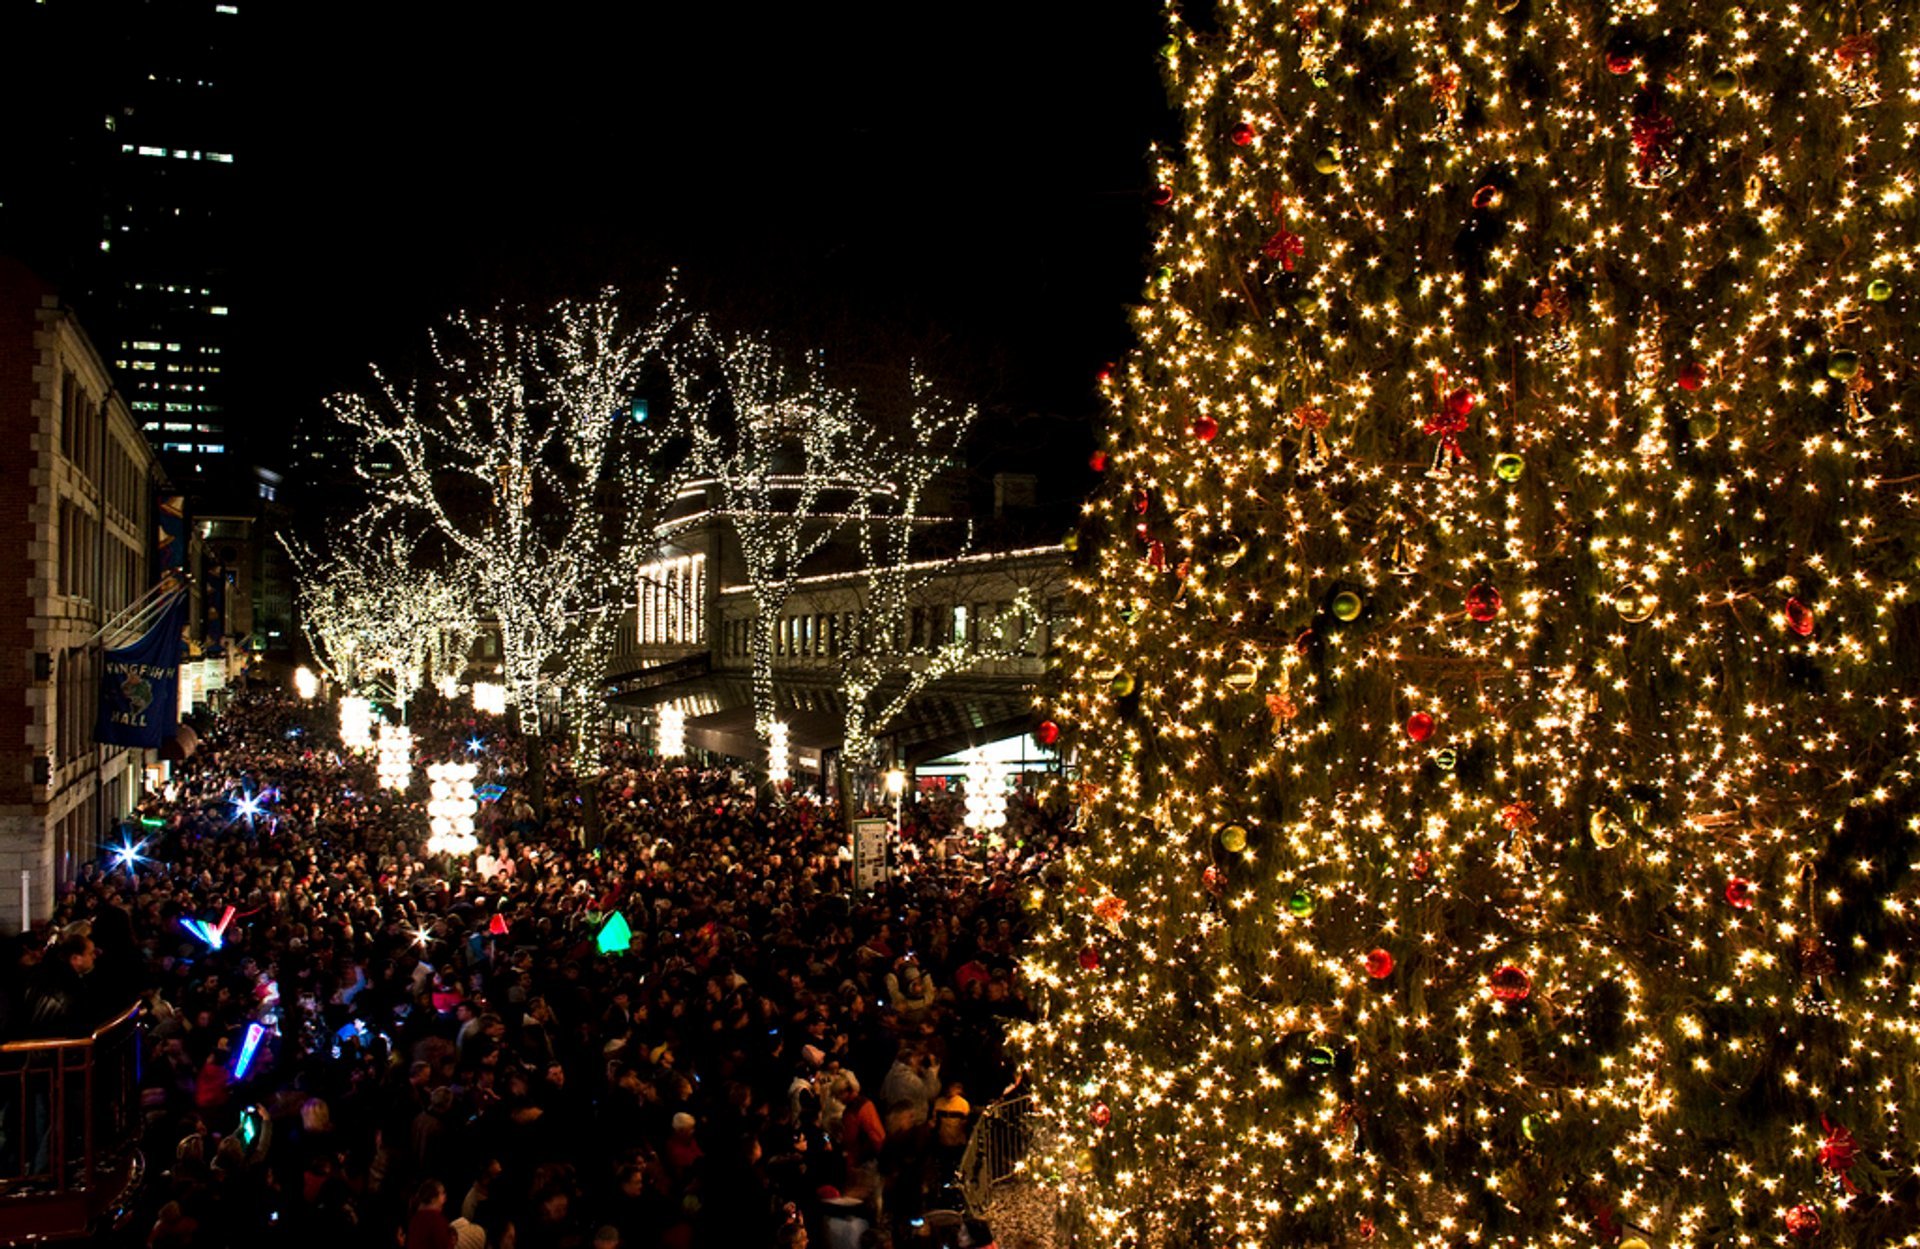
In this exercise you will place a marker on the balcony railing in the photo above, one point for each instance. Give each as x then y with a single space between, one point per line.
69 1130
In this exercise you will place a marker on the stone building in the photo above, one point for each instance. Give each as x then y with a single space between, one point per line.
77 506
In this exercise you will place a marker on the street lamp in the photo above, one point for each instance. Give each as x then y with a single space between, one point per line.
305 682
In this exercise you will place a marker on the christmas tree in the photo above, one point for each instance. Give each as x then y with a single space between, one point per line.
1494 688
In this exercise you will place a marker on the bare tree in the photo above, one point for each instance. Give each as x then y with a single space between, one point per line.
373 610
520 450
787 453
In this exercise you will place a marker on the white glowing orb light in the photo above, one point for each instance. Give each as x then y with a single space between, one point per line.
896 782
779 742
449 687
986 804
394 763
673 732
490 697
450 808
305 682
356 723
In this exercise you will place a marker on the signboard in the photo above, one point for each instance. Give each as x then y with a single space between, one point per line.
869 853
140 684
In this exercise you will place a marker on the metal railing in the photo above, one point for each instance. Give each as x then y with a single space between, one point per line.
995 1149
70 1112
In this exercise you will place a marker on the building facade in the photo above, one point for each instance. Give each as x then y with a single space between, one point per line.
687 644
77 501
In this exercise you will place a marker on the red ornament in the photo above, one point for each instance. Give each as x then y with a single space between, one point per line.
1205 428
1141 502
1692 376
1101 1114
1619 63
1367 1228
1286 247
1097 461
1422 864
1162 196
1242 134
1488 198
1460 402
1799 617
1157 555
1483 603
1047 733
1802 1221
1650 133
1089 958
1510 984
1740 894
1213 880
1838 1151
1419 726
1379 964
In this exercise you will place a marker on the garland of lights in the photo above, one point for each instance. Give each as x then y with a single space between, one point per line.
1493 689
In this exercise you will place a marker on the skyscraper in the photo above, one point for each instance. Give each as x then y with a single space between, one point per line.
126 194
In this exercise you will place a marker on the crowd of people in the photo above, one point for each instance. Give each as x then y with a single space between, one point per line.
458 1053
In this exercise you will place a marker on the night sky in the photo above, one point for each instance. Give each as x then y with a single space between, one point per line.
961 182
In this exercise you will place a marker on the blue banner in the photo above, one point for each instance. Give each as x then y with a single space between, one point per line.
140 684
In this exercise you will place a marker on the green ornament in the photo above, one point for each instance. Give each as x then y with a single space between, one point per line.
1071 542
1723 82
1238 553
1170 49
1446 758
1532 1128
1326 160
1241 675
1843 364
1122 684
1163 277
1130 611
1301 903
1321 1056
1704 426
1879 290
1507 466
1233 839
1304 303
1347 606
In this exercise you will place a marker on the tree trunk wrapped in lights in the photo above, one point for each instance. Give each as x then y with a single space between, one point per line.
1495 674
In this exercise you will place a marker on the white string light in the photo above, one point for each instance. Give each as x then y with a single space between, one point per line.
673 732
778 749
450 808
393 763
356 722
490 698
986 797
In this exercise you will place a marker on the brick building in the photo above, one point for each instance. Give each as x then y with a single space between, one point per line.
77 506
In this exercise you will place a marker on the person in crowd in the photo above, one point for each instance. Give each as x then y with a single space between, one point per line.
430 1029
